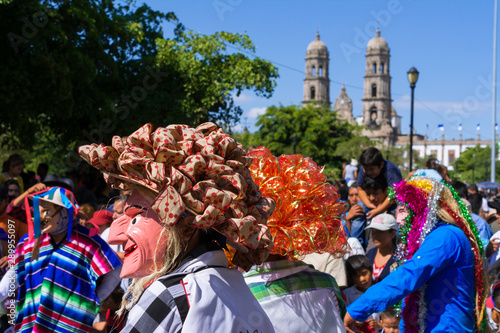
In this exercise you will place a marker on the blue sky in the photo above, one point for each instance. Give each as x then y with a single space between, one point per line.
449 42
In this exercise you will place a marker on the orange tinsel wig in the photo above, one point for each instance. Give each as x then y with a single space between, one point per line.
307 217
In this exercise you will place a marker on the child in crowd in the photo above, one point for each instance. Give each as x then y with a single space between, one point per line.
86 212
389 320
493 301
492 308
359 275
376 192
376 167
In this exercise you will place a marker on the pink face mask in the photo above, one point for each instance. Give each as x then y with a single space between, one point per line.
401 215
139 231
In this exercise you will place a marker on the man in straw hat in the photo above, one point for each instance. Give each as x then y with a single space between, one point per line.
307 219
441 276
63 273
191 193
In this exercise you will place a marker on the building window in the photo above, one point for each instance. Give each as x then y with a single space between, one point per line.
313 93
434 153
320 71
373 114
382 68
314 71
374 90
374 68
451 157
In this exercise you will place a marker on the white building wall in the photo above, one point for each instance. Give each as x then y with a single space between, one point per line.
442 152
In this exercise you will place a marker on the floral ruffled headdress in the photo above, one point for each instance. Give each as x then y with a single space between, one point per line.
202 170
307 217
430 202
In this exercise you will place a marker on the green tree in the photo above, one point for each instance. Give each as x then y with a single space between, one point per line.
311 131
66 62
209 75
247 139
90 69
353 147
474 165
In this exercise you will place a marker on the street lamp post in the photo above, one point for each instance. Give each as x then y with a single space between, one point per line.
412 78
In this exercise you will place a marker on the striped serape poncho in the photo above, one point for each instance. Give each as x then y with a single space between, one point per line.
57 292
296 297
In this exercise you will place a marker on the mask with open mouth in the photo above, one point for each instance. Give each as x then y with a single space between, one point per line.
401 214
142 236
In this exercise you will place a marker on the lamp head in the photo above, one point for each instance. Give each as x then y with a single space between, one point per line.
412 76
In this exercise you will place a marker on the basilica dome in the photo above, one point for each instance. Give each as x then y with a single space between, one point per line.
316 45
377 42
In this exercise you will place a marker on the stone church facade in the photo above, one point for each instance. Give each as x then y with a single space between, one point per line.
317 81
379 119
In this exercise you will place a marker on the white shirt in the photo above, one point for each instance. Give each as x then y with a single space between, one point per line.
296 310
355 246
326 263
495 255
484 205
220 300
349 171
8 286
105 236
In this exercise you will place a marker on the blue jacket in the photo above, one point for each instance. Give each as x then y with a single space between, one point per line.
483 228
445 263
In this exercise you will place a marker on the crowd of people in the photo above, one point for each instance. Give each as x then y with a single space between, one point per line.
179 229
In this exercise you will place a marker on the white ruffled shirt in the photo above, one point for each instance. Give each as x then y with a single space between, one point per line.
218 299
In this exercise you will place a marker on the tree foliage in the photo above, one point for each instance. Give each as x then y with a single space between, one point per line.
89 69
311 131
209 74
353 147
474 165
